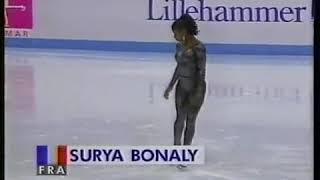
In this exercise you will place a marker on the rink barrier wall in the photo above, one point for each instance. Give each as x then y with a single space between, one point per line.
130 46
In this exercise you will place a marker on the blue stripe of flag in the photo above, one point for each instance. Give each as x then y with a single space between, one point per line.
42 155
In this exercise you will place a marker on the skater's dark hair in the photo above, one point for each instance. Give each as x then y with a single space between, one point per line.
186 22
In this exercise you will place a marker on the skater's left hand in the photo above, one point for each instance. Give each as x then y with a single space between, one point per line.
166 93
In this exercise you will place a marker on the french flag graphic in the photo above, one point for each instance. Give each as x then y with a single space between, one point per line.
43 155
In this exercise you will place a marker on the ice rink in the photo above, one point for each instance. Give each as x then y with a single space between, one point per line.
256 122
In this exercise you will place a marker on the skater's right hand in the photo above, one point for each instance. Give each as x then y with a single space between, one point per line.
166 93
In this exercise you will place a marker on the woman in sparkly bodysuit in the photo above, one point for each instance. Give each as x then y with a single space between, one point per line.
190 75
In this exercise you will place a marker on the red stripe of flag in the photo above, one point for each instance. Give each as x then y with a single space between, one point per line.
62 155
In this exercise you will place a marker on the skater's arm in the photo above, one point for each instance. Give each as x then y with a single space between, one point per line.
174 78
175 74
200 54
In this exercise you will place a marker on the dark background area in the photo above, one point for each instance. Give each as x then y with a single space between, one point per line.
315 12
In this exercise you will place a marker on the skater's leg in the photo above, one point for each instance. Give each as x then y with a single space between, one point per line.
195 102
190 125
181 111
179 125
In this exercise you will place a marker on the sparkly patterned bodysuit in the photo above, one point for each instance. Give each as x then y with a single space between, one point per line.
190 91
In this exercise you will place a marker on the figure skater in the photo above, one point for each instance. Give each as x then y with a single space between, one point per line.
189 74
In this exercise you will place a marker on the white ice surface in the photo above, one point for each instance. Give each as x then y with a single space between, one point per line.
256 123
